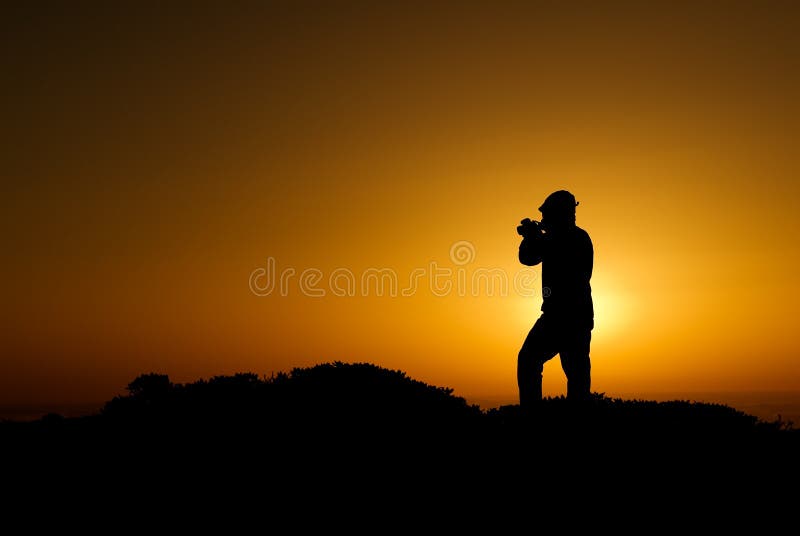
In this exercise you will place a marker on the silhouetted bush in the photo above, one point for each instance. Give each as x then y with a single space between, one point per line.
150 386
352 396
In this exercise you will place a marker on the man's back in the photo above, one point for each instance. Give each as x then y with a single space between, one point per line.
567 259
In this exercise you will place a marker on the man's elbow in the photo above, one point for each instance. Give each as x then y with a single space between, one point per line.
529 260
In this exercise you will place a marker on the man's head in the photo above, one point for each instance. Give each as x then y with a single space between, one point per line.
558 210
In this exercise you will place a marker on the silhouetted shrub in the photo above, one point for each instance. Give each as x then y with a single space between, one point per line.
150 386
347 396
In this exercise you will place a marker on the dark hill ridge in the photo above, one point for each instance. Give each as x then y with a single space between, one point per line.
350 401
366 439
367 396
319 427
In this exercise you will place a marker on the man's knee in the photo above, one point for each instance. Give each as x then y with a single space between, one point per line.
530 361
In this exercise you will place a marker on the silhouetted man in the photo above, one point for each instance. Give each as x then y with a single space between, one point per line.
565 326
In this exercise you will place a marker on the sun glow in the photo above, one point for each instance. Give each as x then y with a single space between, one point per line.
612 313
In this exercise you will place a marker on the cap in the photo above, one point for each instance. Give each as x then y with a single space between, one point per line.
561 200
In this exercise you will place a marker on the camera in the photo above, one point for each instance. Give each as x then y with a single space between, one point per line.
529 227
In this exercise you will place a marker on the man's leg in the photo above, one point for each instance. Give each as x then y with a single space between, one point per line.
576 364
538 347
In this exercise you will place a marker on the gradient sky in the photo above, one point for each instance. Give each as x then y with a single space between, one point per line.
153 157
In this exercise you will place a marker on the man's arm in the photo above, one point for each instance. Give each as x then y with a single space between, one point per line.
530 250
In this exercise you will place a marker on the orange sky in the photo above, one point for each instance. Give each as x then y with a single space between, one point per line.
154 158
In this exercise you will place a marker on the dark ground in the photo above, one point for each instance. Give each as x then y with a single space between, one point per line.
340 432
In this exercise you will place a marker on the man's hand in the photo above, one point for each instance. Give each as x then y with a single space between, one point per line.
528 228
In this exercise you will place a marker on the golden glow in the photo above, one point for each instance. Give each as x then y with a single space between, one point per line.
149 176
614 312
